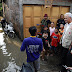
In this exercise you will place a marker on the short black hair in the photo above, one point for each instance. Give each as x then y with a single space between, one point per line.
32 30
57 28
46 31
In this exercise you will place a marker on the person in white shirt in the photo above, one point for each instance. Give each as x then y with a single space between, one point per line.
52 28
66 38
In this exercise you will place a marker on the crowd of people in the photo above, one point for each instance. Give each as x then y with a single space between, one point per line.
54 40
51 35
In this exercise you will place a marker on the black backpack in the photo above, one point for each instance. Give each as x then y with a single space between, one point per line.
27 68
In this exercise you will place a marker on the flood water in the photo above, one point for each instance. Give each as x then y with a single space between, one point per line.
11 58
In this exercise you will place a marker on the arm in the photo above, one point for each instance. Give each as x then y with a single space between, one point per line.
43 49
23 46
58 38
57 22
51 36
70 46
49 22
48 44
71 41
42 21
69 68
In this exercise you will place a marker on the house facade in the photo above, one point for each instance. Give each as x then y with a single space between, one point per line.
26 13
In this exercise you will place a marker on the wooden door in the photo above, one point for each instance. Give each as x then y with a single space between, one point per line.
37 16
55 12
31 16
64 10
27 16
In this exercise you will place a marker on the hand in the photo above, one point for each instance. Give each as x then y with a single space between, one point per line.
43 49
57 23
49 45
69 47
69 68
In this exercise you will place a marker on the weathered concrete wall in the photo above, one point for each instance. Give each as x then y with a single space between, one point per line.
12 14
55 2
71 8
21 18
14 11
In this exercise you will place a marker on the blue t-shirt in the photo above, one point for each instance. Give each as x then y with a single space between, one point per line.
33 46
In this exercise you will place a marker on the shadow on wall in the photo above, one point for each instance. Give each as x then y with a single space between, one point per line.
17 31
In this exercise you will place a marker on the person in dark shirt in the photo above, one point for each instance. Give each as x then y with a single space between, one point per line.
61 20
46 44
45 21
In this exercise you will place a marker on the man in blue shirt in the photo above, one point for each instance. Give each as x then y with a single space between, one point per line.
33 46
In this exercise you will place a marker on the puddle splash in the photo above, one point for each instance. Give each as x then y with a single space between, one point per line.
12 67
2 39
3 44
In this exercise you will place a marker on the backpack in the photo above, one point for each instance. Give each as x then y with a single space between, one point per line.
27 68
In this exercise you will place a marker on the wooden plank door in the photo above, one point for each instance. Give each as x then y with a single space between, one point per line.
27 19
64 10
37 16
55 11
31 17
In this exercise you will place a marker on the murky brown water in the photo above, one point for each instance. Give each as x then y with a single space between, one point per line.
11 58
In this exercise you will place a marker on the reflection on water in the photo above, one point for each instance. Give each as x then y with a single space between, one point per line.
3 44
12 67
2 39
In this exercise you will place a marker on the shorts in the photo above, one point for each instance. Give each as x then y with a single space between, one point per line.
35 64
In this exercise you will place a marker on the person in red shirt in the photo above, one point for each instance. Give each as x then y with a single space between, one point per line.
54 40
